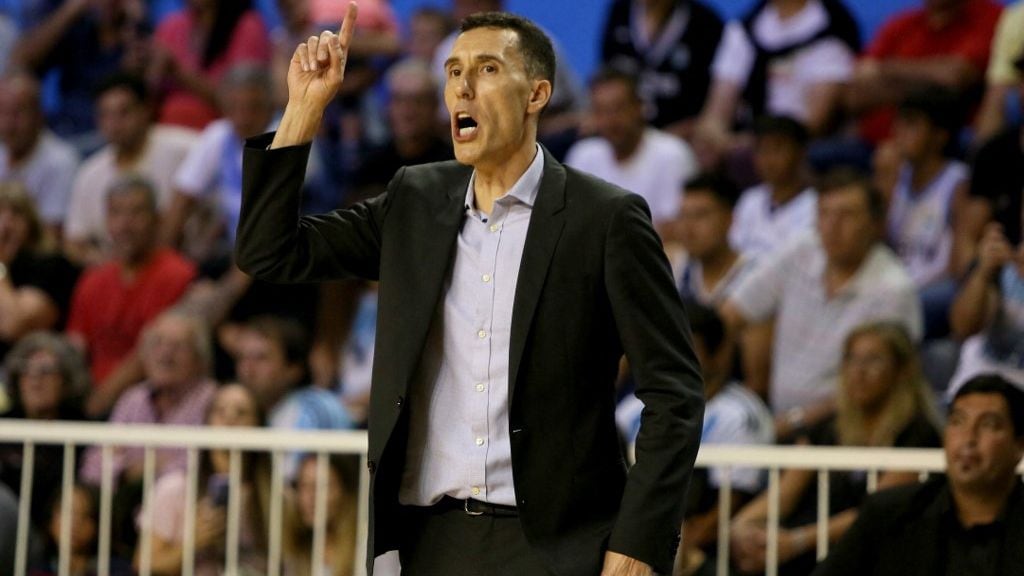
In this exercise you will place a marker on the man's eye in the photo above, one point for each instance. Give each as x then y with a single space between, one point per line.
490 68
454 72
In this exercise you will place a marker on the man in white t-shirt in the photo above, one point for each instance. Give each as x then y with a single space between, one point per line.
629 153
785 58
816 290
134 145
32 154
783 206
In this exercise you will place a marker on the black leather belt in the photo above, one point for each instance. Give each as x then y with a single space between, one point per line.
475 507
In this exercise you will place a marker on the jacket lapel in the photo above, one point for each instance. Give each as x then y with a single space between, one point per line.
546 223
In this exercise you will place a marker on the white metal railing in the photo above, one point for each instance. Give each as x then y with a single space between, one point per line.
279 443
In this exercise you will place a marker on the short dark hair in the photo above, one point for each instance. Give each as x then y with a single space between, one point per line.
940 106
286 333
782 126
538 52
705 324
133 83
607 75
723 189
843 177
136 183
992 383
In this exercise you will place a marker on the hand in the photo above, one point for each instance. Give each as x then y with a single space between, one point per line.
747 544
994 250
616 564
210 525
318 65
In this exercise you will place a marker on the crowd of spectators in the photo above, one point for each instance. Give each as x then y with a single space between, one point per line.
843 211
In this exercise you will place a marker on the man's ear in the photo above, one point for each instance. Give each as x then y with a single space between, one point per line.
539 97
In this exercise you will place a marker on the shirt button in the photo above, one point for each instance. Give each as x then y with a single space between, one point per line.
482 334
480 387
475 490
479 441
486 277
494 228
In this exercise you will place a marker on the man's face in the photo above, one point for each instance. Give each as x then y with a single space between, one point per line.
705 223
916 137
845 225
14 231
262 367
122 118
981 451
249 110
411 108
169 357
618 116
487 92
131 224
777 158
20 117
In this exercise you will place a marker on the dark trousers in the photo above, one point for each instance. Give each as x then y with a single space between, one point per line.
449 542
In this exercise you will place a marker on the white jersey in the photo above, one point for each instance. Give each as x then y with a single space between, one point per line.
920 222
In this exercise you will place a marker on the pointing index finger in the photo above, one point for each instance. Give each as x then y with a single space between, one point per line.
348 25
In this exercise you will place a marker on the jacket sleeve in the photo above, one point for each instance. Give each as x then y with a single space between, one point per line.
277 245
655 336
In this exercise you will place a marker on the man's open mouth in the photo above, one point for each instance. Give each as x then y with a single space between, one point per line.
465 125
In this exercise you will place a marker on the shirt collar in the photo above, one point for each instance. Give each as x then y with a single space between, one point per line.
524 190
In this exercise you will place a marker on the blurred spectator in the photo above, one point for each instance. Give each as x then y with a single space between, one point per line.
85 514
47 381
786 58
197 45
300 518
8 38
944 43
781 208
32 154
815 291
175 355
669 46
113 301
883 401
712 269
561 116
1003 76
923 215
35 282
734 415
135 145
997 178
415 139
211 174
233 405
629 153
989 313
84 41
428 27
967 521
272 362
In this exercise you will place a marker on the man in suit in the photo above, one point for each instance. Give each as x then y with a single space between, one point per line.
970 521
510 286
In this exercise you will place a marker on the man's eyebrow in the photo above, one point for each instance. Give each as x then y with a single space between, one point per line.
487 57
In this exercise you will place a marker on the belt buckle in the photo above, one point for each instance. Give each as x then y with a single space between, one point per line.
465 508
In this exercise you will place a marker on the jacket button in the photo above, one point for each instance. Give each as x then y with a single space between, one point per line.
371 465
399 401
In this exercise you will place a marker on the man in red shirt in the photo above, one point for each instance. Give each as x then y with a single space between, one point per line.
114 301
944 43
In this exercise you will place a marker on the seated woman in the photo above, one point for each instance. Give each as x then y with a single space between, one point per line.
47 381
883 401
300 515
35 281
232 405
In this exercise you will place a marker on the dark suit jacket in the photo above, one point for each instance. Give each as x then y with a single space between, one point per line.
901 532
593 282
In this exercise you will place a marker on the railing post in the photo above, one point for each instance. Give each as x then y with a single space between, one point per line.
66 503
28 462
771 567
724 519
320 511
276 496
106 504
823 514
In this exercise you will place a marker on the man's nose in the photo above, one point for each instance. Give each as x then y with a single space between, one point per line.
464 86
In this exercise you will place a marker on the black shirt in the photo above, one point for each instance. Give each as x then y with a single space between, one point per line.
50 273
997 176
674 73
